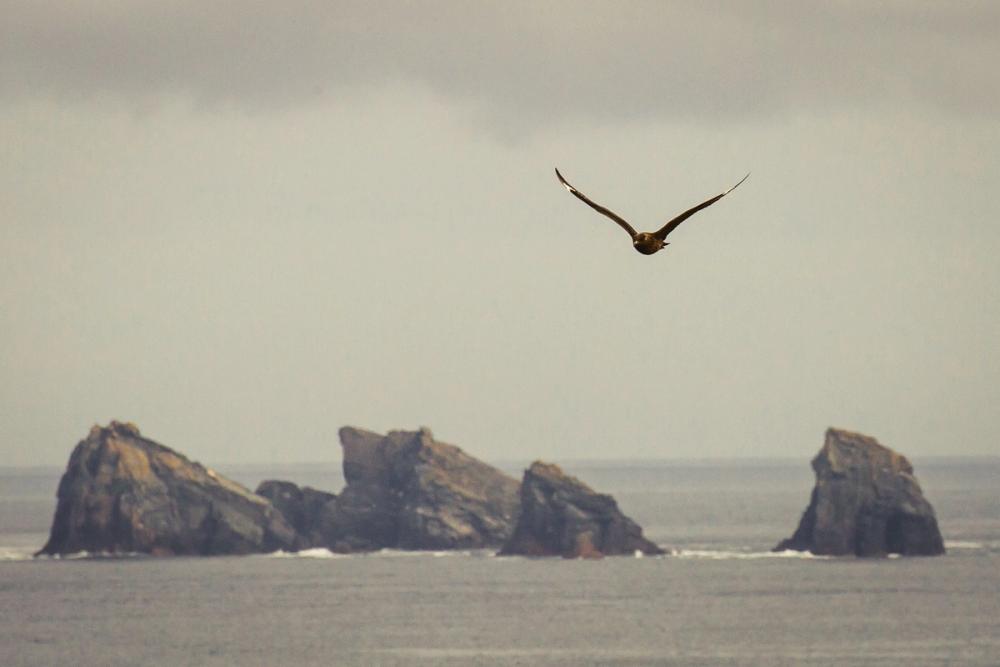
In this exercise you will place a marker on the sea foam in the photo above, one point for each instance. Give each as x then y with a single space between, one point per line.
9 554
319 552
963 544
708 554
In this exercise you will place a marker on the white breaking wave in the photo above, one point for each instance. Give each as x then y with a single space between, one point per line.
960 544
322 552
742 555
400 553
80 555
319 552
8 554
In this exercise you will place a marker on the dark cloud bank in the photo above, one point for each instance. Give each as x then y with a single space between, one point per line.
601 60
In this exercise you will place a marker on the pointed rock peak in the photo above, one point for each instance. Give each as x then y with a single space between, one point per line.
124 428
843 450
543 469
552 474
115 428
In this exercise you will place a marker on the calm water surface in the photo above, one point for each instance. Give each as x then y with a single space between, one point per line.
724 600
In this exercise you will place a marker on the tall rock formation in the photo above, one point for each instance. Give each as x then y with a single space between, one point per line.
407 491
562 516
123 493
866 502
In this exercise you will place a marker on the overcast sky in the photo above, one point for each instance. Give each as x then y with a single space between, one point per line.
243 226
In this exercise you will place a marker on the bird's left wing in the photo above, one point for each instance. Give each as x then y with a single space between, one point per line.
597 207
672 225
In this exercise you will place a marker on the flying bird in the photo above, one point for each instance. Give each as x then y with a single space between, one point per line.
646 242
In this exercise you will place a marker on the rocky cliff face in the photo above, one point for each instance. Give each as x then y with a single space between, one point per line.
562 516
866 502
407 491
123 493
303 508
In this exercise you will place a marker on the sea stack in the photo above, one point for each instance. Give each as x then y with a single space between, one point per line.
123 493
562 516
866 502
405 490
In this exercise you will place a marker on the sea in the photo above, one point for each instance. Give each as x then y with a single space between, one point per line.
721 598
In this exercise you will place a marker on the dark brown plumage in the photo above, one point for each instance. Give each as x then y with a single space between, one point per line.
646 242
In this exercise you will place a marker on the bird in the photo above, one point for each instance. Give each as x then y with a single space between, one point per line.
645 242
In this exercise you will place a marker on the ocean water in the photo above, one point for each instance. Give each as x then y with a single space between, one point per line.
722 599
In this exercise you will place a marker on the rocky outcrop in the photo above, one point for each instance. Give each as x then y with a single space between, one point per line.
303 508
407 491
866 502
123 493
562 516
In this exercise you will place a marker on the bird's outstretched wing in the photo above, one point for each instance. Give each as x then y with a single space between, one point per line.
672 225
597 207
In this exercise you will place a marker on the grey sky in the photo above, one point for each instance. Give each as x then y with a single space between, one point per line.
243 227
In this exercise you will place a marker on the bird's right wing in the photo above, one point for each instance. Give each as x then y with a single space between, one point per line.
662 232
597 207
